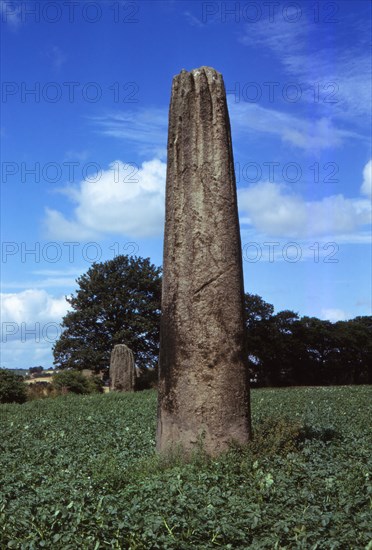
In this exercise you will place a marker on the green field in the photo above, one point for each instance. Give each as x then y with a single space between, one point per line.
80 472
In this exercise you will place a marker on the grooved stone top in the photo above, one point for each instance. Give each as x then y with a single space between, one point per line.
208 71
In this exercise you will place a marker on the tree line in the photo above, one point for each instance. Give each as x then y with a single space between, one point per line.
286 350
119 301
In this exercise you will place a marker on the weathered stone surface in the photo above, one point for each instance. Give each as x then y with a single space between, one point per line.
203 378
122 369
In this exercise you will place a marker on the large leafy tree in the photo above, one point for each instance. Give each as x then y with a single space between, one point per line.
117 302
12 387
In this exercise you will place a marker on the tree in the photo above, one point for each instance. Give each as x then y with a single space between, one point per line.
321 347
270 342
256 310
75 382
286 350
118 302
36 370
281 365
353 362
12 387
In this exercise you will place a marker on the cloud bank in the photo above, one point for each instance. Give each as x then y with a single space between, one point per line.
123 200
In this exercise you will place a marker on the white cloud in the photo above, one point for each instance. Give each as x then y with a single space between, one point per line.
192 20
145 128
30 326
31 306
333 315
58 272
366 188
124 200
48 282
274 210
18 354
307 134
58 227
331 62
80 156
56 57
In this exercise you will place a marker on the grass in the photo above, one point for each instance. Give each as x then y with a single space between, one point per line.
82 472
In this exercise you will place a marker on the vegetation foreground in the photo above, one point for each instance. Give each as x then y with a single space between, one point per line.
81 472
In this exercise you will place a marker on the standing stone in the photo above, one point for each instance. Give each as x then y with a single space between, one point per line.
203 372
122 369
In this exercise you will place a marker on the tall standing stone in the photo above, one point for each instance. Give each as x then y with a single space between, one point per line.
122 369
203 377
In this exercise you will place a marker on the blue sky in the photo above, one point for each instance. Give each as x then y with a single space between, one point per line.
85 95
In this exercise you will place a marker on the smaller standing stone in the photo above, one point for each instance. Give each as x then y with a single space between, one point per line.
122 369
